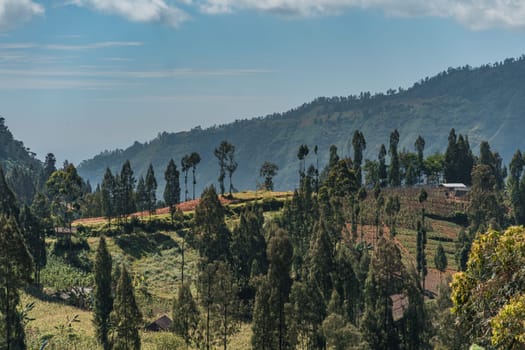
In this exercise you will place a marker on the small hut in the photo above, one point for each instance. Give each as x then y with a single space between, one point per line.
454 190
161 324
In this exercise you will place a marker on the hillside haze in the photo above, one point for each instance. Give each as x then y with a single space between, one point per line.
485 103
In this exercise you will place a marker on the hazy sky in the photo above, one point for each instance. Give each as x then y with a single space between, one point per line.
81 76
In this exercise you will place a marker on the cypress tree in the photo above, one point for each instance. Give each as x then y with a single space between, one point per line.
102 300
172 189
263 322
213 236
280 253
359 145
141 195
126 317
394 174
440 259
382 166
34 234
127 185
421 256
151 190
107 189
16 268
420 147
185 314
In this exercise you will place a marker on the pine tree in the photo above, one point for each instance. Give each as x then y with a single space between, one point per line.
421 255
394 175
141 195
126 317
321 261
334 158
280 253
226 301
34 235
185 315
16 269
440 259
386 277
248 249
450 168
420 147
263 322
211 232
108 188
127 186
359 145
49 166
151 190
382 171
172 189
102 299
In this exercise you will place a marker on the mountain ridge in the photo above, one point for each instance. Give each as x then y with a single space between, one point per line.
484 103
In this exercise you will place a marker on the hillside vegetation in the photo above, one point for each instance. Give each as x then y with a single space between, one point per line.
484 103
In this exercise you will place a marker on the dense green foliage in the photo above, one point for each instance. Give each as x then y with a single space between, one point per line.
126 317
103 294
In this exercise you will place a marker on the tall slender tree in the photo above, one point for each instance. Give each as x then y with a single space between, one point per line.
420 148
185 166
108 188
102 299
16 269
394 175
359 145
185 315
33 232
151 190
127 186
172 189
231 166
126 317
211 232
382 172
195 159
141 195
221 153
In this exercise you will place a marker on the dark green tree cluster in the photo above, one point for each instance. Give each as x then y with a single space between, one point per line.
459 159
16 269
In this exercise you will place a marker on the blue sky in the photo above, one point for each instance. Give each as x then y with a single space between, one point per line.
81 76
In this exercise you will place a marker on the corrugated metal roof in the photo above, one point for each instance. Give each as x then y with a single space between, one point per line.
453 185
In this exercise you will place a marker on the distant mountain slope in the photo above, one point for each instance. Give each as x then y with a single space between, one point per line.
486 103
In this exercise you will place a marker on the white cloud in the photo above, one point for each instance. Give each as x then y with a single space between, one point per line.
138 10
15 12
474 14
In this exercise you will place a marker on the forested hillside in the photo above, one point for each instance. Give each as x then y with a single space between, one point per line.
484 103
23 171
